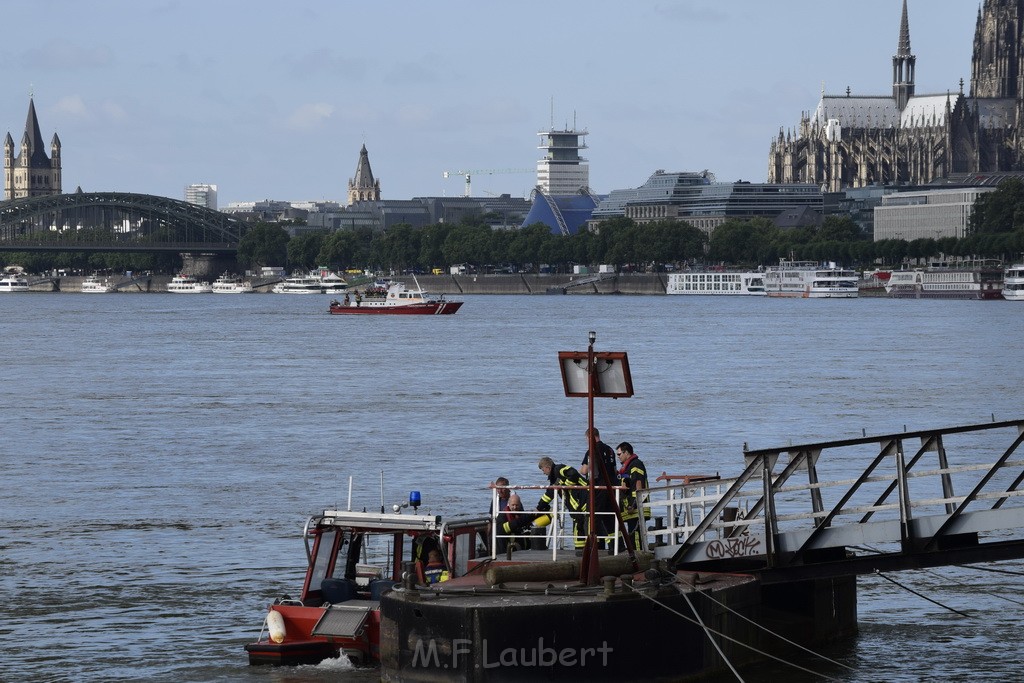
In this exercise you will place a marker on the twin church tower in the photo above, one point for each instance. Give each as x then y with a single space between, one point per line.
848 141
31 173
908 138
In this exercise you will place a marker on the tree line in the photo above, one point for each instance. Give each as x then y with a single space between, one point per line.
996 231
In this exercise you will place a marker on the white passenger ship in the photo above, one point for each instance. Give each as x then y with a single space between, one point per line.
186 284
717 284
1013 282
316 282
231 284
945 283
13 282
809 280
94 284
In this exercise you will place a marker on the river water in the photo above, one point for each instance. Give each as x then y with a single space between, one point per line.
161 452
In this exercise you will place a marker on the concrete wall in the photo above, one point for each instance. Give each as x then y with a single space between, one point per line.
654 283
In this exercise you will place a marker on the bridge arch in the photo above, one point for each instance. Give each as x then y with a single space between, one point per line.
115 221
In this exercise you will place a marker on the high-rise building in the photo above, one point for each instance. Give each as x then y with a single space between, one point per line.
562 171
202 194
31 173
906 138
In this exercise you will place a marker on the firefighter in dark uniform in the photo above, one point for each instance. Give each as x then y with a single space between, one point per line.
633 475
604 521
574 500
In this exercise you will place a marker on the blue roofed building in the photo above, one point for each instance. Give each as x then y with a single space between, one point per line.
562 199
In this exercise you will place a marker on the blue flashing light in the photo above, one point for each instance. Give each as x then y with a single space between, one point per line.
414 499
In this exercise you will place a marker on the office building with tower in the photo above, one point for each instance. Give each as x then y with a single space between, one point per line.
202 195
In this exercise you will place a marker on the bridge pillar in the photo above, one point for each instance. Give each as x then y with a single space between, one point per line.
207 266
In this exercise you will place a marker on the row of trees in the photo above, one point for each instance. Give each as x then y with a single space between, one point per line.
996 231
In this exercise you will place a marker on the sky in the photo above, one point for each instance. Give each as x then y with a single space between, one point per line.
273 100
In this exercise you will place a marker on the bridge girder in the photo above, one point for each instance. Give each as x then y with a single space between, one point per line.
28 222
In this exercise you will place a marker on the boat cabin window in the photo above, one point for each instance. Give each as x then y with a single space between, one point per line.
322 561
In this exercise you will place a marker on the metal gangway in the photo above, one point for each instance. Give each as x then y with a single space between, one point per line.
854 506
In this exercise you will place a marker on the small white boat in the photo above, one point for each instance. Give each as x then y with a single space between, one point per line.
13 282
1013 282
94 284
186 284
716 284
231 284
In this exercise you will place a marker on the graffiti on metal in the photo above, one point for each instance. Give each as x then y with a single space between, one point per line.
742 546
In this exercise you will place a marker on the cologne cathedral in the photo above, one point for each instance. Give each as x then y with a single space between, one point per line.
910 139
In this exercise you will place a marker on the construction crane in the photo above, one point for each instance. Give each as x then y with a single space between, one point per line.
485 171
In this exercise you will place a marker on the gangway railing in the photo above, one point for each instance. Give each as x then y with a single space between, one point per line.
559 536
908 493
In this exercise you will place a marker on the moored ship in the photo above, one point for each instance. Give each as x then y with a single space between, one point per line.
946 283
321 281
231 284
810 280
186 284
13 282
717 283
94 284
1013 282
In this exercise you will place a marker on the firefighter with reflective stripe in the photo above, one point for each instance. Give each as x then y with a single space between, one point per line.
575 500
515 522
435 571
633 475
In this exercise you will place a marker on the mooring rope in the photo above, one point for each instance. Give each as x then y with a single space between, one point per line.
922 596
967 585
960 583
992 569
763 628
707 632
708 629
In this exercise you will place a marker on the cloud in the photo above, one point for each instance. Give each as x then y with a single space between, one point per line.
310 116
72 106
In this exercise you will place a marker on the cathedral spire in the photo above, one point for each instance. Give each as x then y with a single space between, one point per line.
903 65
904 46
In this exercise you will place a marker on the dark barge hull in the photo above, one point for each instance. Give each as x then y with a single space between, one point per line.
516 636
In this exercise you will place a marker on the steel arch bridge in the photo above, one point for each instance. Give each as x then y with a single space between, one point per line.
115 221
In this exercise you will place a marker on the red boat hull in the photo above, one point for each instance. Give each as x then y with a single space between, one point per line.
431 308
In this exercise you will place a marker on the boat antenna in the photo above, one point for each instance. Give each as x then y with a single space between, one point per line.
350 493
382 492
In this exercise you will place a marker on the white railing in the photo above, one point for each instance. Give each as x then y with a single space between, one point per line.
559 533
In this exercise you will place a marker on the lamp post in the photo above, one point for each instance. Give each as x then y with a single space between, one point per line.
593 374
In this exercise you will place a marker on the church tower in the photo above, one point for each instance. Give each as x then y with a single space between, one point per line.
32 173
903 65
363 188
997 66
